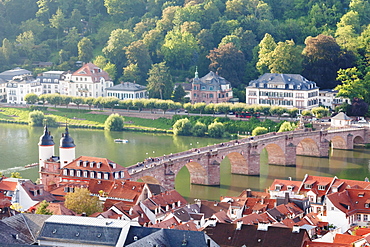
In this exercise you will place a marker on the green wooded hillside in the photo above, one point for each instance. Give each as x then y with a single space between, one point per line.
240 39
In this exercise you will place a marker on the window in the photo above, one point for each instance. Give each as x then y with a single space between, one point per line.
307 186
365 217
359 217
321 187
65 172
278 187
366 205
290 187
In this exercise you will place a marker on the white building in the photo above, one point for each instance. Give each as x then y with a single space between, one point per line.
50 81
127 90
3 85
19 87
327 98
286 90
87 81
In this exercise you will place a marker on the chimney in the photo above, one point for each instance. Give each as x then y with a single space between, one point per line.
239 225
249 192
295 229
198 202
286 198
262 227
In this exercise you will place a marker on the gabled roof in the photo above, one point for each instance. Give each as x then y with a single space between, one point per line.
93 163
28 226
249 235
351 201
171 197
341 116
253 219
211 78
9 235
211 207
347 239
91 70
172 237
6 185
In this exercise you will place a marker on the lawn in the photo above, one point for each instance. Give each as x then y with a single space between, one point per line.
84 118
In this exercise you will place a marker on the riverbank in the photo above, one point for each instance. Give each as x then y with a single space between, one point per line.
95 119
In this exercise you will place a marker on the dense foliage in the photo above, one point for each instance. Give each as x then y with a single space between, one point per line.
240 39
80 201
114 122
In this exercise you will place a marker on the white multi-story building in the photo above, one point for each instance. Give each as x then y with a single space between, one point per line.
127 90
328 98
286 90
87 81
19 87
50 81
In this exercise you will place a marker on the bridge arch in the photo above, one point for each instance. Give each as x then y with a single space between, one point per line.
358 140
338 142
238 162
307 147
275 154
198 174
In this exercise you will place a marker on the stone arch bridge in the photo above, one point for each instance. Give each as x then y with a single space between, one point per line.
244 155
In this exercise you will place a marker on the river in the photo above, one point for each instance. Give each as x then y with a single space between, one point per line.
18 147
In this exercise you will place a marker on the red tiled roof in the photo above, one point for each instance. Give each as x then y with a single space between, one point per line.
91 70
346 238
349 202
7 185
106 165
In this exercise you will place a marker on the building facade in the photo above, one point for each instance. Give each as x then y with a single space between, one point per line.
328 98
50 81
285 90
87 81
19 87
127 90
211 88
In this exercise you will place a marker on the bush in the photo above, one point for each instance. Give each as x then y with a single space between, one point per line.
114 122
199 129
36 118
287 126
182 127
50 121
216 130
259 131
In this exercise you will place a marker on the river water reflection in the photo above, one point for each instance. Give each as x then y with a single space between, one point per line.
18 147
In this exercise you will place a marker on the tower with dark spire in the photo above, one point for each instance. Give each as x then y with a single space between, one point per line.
46 147
66 149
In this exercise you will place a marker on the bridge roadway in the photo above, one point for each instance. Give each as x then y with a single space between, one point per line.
244 155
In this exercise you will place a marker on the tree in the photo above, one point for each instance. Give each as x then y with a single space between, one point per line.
259 131
266 49
78 101
229 62
65 100
26 42
216 130
36 118
286 58
199 129
31 98
110 102
138 53
179 94
80 202
320 112
179 49
358 107
43 208
125 8
322 59
199 107
85 50
182 127
160 81
287 126
353 85
15 175
114 122
89 101
58 22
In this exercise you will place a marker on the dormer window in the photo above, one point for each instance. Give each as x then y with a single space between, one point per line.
98 165
71 173
321 187
65 172
278 187
106 175
361 194
92 174
78 173
290 187
366 205
92 164
122 174
308 186
85 174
